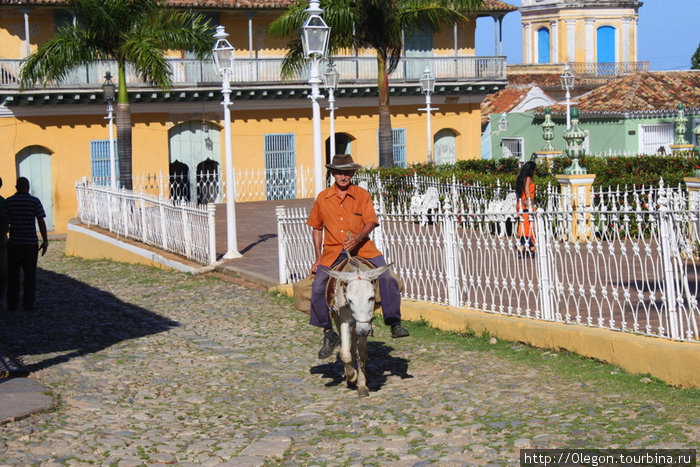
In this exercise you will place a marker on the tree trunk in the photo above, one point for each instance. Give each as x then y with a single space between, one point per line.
386 141
124 144
123 130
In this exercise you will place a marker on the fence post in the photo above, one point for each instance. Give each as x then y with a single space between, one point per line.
281 213
144 230
125 211
377 233
211 223
451 248
668 249
163 235
187 232
110 210
546 289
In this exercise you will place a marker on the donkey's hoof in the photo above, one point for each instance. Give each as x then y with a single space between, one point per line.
363 392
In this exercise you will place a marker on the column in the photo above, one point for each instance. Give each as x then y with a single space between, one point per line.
527 46
590 40
626 40
553 27
570 40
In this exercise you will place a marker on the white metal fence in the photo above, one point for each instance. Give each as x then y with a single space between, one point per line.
179 227
626 269
208 187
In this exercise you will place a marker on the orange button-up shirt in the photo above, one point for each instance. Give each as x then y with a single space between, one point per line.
338 216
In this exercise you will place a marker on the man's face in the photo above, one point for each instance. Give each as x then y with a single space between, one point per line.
343 178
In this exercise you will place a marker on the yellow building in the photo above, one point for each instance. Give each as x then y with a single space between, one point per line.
595 34
57 135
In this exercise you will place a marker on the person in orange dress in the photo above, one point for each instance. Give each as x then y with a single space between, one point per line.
525 191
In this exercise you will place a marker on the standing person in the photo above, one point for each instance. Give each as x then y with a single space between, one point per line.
525 192
342 218
20 211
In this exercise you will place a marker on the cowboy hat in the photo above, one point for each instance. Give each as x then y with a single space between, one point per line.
343 162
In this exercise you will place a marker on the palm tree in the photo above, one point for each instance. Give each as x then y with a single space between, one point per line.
376 24
134 32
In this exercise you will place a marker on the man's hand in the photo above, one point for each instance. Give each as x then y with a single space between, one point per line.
44 246
351 243
315 266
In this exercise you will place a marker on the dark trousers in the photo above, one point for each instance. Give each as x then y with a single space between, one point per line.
21 257
388 289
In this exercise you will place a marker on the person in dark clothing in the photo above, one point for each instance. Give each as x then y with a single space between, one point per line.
22 212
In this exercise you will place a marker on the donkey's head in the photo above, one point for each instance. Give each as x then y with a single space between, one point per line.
358 291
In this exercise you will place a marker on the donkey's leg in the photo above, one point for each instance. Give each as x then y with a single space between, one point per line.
362 389
346 352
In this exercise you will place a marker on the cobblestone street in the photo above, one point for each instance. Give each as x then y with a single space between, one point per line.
150 367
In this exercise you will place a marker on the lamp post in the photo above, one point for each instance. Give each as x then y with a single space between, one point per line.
567 84
330 78
427 86
223 62
314 39
108 88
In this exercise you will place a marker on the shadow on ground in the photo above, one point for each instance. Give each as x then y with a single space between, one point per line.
73 319
380 366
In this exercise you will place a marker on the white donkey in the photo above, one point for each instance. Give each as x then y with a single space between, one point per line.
352 309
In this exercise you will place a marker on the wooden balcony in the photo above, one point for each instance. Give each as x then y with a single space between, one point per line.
264 72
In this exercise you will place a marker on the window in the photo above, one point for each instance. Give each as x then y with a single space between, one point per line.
445 147
399 138
512 147
100 164
543 45
280 166
654 137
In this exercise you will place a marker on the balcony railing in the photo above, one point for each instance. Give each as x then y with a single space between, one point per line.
608 70
261 71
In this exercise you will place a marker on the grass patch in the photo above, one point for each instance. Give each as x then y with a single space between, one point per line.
568 364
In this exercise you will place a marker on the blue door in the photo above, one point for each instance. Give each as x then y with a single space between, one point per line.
34 163
280 166
543 45
605 54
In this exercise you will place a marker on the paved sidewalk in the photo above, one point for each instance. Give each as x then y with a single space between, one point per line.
147 366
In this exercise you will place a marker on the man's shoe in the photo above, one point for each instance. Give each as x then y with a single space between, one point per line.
398 331
331 340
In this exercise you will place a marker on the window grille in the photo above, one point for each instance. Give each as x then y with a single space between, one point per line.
99 162
280 164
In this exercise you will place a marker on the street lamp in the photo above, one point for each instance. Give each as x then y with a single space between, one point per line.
223 61
567 84
427 86
330 77
314 39
108 88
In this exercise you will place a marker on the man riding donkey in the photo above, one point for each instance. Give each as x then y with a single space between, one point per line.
342 218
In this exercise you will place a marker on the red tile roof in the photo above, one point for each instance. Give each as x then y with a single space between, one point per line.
642 92
503 101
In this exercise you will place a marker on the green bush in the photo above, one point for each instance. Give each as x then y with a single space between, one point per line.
609 171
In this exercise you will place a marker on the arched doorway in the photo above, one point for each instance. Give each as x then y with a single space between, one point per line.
34 163
605 50
343 145
207 182
179 181
445 146
189 144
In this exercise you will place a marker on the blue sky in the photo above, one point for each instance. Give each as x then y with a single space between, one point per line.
668 34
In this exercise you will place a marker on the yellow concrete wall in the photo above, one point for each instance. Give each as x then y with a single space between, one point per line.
11 33
67 138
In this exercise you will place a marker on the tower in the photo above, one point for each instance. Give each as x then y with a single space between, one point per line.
591 35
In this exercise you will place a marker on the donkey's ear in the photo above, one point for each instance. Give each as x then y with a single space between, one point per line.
372 274
343 276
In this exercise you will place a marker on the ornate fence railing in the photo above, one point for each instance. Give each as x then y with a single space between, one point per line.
181 228
257 71
626 270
